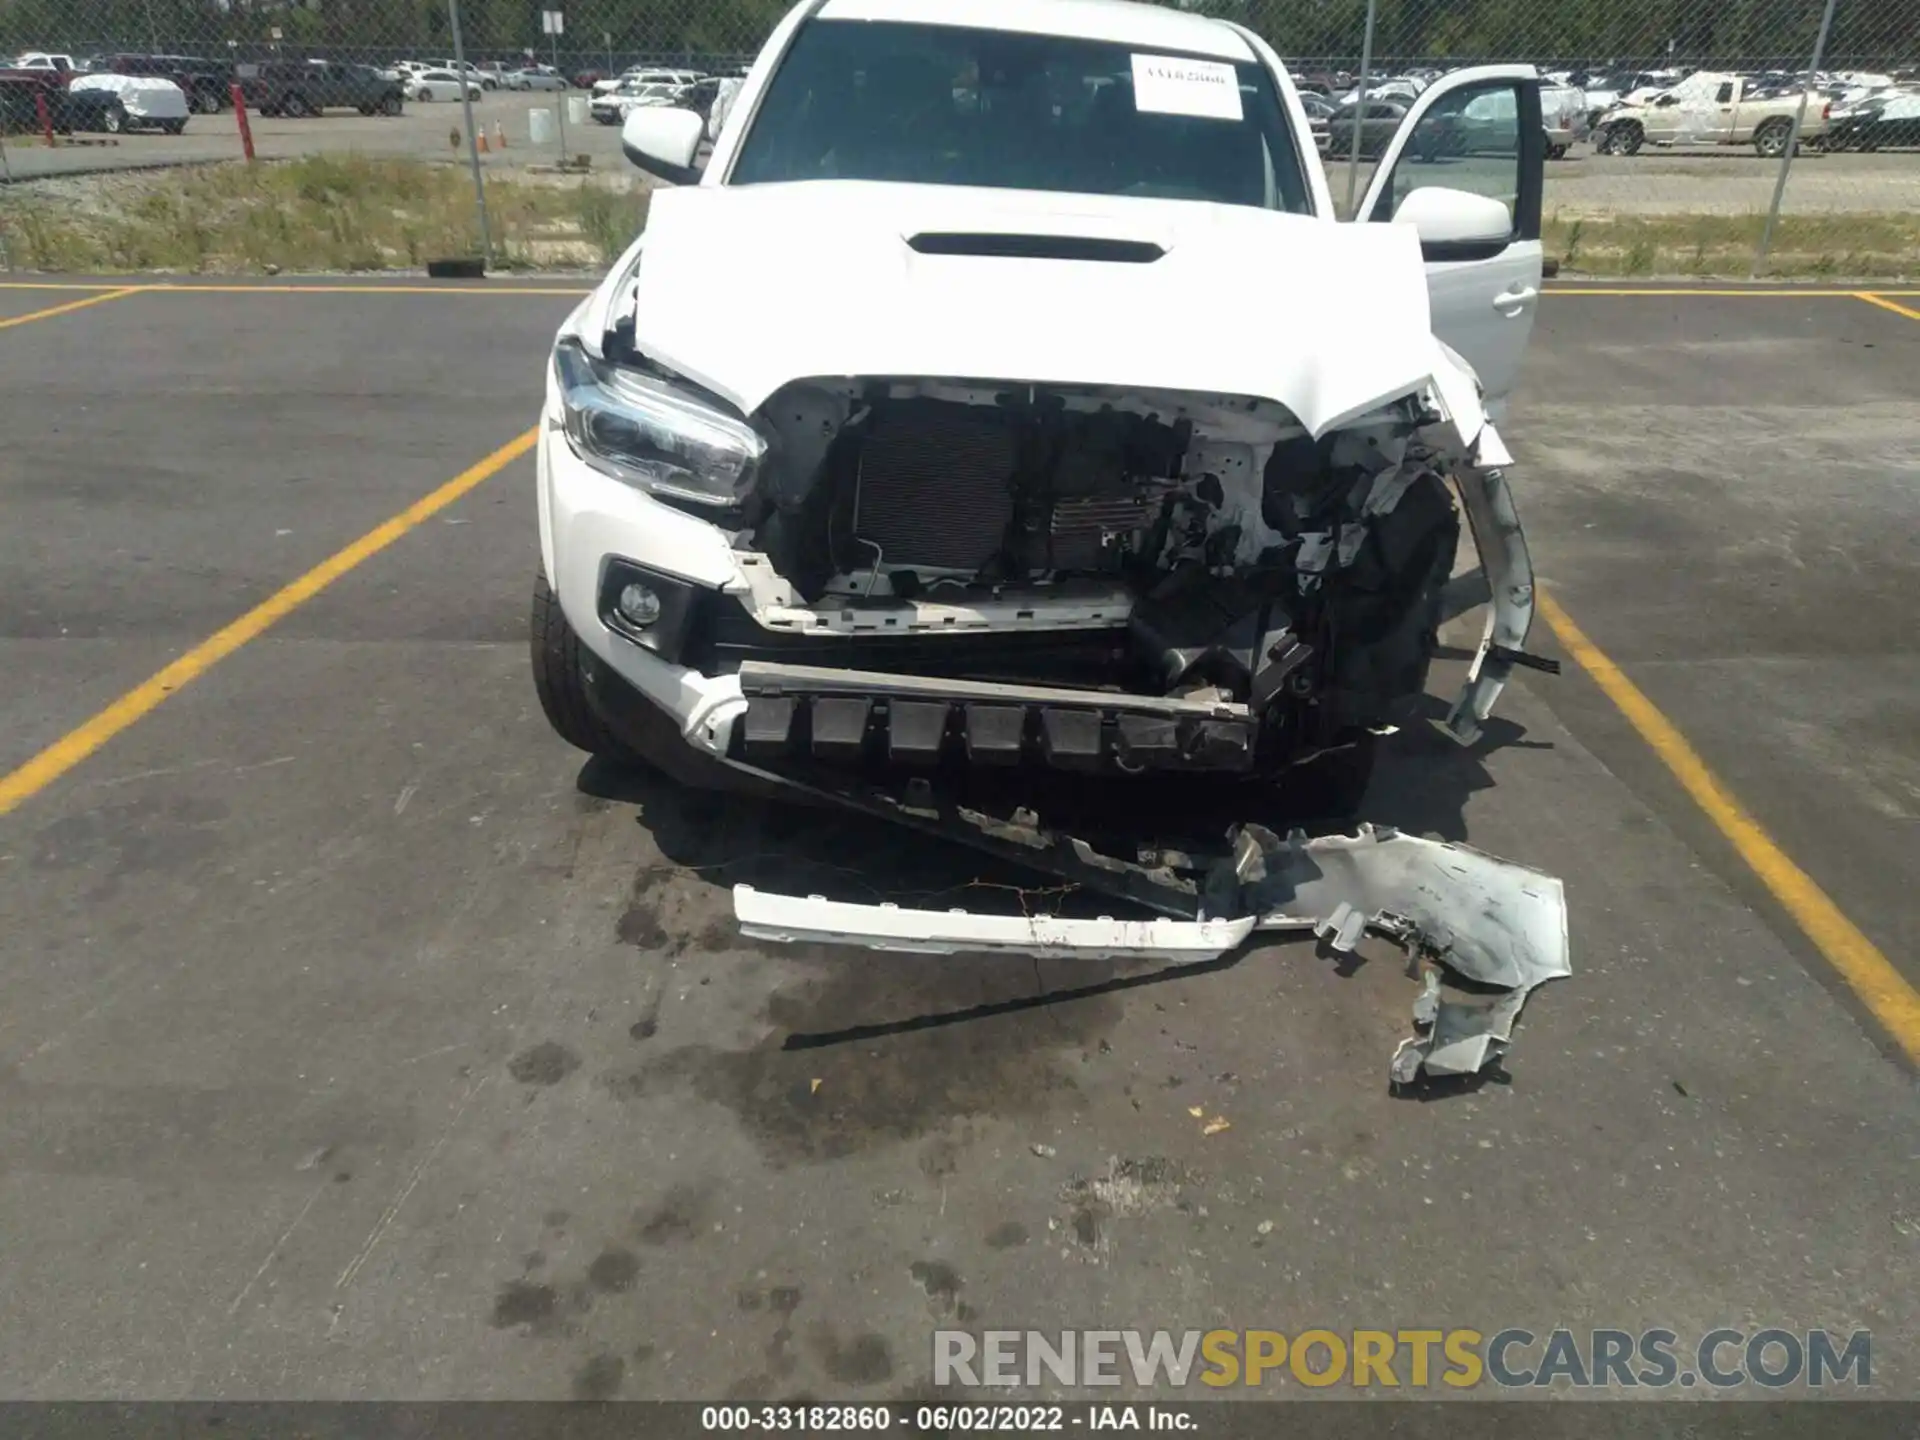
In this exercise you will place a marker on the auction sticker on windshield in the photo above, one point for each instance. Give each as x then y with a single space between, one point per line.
1170 85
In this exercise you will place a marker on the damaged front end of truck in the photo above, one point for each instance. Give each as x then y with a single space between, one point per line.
967 599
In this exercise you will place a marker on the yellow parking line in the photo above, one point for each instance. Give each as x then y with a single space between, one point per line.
1766 294
369 289
68 751
1881 988
299 289
1886 304
53 310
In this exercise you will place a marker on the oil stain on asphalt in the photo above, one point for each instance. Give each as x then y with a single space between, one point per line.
866 1052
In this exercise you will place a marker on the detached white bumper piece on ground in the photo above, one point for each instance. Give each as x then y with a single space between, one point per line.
1456 911
937 451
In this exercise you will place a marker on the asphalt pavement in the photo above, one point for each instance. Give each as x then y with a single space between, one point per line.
358 1040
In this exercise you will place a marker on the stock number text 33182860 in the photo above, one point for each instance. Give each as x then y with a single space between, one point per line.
915 1419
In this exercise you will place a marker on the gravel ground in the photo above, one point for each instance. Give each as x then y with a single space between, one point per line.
1717 182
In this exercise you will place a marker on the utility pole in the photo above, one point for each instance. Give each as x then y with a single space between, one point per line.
473 150
555 23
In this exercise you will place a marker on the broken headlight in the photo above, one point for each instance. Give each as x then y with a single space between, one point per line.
652 435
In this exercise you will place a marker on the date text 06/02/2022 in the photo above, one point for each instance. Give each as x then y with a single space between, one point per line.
943 1419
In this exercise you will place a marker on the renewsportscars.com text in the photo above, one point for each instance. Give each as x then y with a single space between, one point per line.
1771 1357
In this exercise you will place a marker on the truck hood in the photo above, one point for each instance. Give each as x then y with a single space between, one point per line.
744 289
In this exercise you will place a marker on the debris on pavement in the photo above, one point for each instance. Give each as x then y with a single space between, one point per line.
1487 921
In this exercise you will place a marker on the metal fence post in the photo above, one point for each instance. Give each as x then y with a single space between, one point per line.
560 104
473 149
1793 142
1360 106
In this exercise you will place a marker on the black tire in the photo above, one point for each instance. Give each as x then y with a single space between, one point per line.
113 120
1625 138
295 106
1770 140
390 105
1556 152
207 102
425 96
174 127
558 656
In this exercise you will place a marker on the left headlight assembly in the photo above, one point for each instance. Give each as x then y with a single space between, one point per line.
653 436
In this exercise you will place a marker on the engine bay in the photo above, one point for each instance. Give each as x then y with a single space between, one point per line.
1207 548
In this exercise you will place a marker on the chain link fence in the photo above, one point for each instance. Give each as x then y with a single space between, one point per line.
1679 127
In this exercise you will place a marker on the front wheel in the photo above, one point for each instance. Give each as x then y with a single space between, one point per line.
207 102
296 107
1623 140
1556 152
424 96
114 121
174 127
1770 140
559 679
390 105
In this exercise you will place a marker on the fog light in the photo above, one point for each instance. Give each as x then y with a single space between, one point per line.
639 606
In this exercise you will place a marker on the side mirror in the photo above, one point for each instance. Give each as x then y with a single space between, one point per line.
662 140
1456 224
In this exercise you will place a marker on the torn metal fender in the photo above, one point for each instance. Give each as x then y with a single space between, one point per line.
791 919
1502 546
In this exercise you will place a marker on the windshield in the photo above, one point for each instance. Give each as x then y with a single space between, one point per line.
942 105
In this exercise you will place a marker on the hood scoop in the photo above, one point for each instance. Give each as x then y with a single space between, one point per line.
1000 245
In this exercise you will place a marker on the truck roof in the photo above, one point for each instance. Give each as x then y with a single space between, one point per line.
1151 27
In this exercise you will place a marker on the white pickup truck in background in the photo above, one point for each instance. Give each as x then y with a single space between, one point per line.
1708 108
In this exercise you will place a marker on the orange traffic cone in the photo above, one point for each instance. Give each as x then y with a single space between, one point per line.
499 136
480 138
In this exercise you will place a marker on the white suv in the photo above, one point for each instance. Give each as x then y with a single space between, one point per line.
1002 398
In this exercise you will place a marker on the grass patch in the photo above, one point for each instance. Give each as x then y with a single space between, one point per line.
319 213
1862 246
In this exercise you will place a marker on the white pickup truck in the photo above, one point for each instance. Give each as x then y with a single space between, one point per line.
1710 109
1003 396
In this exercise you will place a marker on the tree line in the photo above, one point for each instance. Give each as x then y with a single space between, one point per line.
1323 31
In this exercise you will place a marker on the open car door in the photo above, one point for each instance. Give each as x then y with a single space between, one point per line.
1477 131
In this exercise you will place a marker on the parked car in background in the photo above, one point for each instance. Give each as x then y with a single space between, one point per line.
610 107
301 88
487 79
208 83
1377 120
43 60
647 75
1887 121
23 91
432 85
1319 110
1563 113
534 77
118 103
1712 109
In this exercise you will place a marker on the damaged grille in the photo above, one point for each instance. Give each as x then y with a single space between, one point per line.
934 486
851 716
